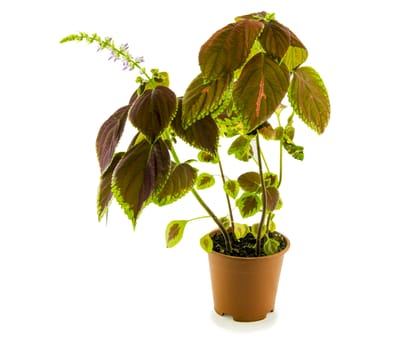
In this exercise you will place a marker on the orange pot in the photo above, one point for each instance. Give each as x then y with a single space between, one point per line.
245 288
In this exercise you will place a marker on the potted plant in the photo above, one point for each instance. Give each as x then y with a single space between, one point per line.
251 85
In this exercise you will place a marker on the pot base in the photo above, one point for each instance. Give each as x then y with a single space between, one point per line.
245 288
238 318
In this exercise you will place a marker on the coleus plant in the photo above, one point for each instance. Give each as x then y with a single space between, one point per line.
250 70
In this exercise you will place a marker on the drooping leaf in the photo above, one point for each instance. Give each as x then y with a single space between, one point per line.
250 181
104 195
174 232
203 134
309 98
206 243
275 39
204 181
228 48
241 148
248 204
109 135
153 111
296 151
260 89
143 169
204 98
272 198
180 181
267 132
231 187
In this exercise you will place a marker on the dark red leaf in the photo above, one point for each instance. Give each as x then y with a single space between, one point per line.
109 135
228 48
260 88
143 170
203 134
153 111
105 195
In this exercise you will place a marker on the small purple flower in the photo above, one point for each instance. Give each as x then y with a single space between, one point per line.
139 59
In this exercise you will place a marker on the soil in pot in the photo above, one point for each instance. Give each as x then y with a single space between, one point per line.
245 246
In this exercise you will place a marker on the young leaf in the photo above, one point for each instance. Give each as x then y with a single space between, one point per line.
174 232
142 170
241 148
104 195
272 198
260 89
109 135
309 98
206 243
240 230
248 204
231 187
202 99
206 157
228 48
297 152
180 181
203 134
250 181
271 246
204 181
153 111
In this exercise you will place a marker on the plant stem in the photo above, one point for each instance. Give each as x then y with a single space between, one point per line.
230 211
264 197
226 236
200 200
280 178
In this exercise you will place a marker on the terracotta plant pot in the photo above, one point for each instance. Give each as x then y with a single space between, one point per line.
245 288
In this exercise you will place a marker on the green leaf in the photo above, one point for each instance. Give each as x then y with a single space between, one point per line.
180 181
228 48
174 232
231 187
206 243
104 195
309 98
241 148
271 246
275 39
204 98
296 53
250 181
272 198
143 169
206 157
297 152
240 230
248 204
203 134
109 135
260 89
153 111
204 181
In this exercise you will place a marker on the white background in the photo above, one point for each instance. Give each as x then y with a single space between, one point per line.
69 282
